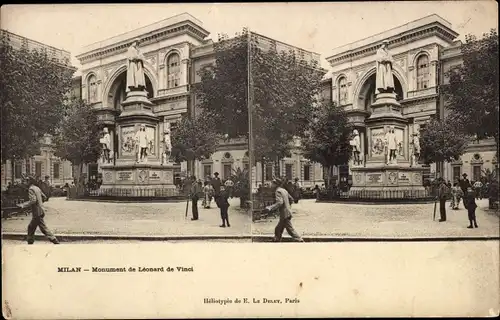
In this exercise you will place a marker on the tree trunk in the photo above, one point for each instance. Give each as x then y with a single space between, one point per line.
329 176
79 183
12 173
262 169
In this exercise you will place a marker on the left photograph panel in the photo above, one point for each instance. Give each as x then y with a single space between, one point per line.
142 141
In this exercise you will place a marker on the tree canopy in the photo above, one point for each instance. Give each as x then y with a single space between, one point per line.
284 92
328 137
194 139
442 141
472 92
77 139
32 98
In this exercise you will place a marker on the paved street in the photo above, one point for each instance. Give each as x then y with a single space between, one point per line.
406 220
103 218
310 219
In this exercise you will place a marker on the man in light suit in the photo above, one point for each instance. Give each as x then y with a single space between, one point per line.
36 198
283 204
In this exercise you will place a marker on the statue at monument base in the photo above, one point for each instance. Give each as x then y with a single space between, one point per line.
391 146
415 150
356 148
105 142
167 145
141 143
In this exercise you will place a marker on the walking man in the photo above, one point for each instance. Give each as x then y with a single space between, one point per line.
283 200
36 198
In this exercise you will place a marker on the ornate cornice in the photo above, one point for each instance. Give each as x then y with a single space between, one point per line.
434 29
185 27
418 99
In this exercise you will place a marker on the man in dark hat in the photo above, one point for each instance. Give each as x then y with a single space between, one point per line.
36 198
194 193
283 204
216 184
464 184
443 192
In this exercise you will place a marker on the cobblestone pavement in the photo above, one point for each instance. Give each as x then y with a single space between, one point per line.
310 219
401 220
162 219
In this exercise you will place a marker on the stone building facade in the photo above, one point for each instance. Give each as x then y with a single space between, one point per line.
44 163
176 50
423 50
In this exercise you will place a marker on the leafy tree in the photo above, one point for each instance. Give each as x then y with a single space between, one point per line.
284 90
77 139
328 138
222 91
472 93
194 139
442 141
241 185
32 98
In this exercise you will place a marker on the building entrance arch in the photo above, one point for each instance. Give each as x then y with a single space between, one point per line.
366 92
115 92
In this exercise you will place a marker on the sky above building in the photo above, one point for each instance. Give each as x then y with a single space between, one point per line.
318 27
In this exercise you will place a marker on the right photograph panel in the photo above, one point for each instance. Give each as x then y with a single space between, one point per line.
287 102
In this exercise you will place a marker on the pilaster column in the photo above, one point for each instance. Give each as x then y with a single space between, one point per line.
363 145
112 142
162 82
433 74
184 72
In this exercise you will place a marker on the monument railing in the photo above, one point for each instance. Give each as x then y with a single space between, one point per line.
135 193
428 194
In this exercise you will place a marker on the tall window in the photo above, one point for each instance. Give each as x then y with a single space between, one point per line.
173 70
476 173
207 170
457 171
38 169
422 72
18 170
92 88
269 171
342 91
307 172
288 171
56 170
227 171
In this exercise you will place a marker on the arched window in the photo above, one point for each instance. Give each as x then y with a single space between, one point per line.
173 71
342 91
92 88
422 72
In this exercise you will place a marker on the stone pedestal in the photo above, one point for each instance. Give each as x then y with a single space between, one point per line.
127 177
377 179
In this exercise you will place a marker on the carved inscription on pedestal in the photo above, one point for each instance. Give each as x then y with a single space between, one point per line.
124 175
154 175
374 178
403 178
